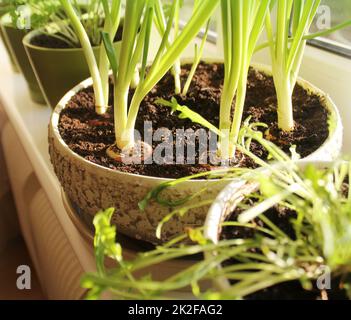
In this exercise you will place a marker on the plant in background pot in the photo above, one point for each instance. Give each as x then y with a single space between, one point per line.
58 41
102 160
5 7
15 25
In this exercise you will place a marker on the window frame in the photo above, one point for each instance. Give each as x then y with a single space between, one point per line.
331 46
326 44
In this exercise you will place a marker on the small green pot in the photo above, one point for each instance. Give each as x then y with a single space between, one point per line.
14 37
57 70
15 68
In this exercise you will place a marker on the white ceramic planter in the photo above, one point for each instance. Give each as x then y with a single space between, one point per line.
92 187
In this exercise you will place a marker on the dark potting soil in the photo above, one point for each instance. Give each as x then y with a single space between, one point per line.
89 135
47 41
292 290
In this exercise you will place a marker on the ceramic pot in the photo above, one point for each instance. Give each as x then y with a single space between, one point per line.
92 187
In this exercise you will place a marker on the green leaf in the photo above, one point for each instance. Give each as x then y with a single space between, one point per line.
105 234
110 51
186 113
149 19
155 194
197 236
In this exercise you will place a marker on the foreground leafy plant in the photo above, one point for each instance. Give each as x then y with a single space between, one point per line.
319 246
320 241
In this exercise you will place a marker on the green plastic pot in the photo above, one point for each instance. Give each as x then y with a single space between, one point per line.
57 70
3 11
14 66
14 37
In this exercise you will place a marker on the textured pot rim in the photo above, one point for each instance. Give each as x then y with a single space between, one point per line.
334 123
218 211
27 38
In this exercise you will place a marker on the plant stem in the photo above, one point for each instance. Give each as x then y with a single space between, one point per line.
197 59
126 71
123 140
176 70
232 22
89 55
112 22
238 114
135 78
287 53
311 36
245 21
164 63
177 66
285 109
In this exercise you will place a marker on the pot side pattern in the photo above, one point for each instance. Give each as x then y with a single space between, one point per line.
91 191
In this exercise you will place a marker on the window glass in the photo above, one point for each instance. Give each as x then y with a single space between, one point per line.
331 13
187 10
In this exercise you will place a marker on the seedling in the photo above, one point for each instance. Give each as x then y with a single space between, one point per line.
242 24
319 242
135 47
98 73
